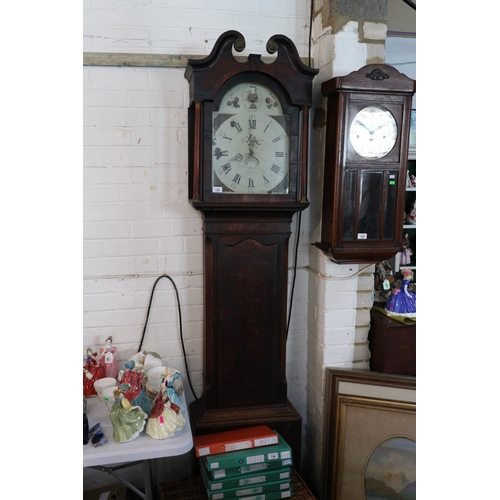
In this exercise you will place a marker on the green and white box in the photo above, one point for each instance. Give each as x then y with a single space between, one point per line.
248 469
251 490
273 495
246 480
267 454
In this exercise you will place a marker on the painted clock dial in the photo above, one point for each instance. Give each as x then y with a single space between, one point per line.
373 132
250 148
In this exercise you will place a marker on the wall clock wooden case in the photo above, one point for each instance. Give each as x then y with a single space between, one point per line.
366 158
248 133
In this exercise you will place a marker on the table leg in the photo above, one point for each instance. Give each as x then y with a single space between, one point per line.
112 471
146 466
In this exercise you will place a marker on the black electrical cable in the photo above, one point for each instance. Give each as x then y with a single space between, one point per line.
311 14
180 326
300 213
411 4
294 272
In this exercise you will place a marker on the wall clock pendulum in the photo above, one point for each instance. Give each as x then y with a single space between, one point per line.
366 158
248 147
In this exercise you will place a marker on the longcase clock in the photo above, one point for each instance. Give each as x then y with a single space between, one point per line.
366 158
248 137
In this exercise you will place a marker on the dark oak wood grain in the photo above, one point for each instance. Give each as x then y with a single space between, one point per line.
246 247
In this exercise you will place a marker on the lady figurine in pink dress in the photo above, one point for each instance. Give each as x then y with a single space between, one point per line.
107 358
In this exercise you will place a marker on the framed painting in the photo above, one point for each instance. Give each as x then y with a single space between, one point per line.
369 436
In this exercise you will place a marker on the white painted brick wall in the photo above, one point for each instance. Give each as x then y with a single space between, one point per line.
190 27
139 225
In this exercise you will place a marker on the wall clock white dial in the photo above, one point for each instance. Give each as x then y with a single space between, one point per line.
373 132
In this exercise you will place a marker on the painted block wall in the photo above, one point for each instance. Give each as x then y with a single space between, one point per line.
339 296
138 224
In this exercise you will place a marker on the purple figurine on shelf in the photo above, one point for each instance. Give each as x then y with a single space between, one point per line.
402 301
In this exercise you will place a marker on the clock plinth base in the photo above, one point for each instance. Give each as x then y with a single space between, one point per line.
282 418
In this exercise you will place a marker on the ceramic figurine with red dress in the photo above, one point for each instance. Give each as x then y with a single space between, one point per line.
92 371
165 418
133 376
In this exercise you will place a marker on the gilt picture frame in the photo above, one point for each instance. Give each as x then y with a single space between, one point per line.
369 448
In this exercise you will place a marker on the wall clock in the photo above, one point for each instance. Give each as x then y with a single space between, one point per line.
366 157
248 137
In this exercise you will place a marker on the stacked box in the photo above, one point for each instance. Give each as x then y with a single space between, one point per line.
257 473
241 439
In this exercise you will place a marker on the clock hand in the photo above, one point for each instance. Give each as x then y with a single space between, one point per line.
364 126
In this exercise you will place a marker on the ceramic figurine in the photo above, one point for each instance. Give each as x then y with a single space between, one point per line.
128 421
165 418
107 358
406 252
402 301
174 386
412 216
139 358
92 371
133 376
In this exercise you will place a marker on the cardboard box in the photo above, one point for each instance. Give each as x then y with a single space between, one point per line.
248 469
246 480
273 495
244 491
265 454
113 492
229 441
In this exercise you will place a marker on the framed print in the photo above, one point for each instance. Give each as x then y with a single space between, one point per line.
369 436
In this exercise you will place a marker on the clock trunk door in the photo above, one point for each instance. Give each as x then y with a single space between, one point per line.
246 290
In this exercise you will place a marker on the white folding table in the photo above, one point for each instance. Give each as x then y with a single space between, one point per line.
113 456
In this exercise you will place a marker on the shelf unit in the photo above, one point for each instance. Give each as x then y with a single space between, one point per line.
409 228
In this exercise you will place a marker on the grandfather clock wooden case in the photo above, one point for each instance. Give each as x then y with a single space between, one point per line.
248 133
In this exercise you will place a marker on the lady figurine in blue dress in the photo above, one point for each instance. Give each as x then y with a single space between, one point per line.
402 302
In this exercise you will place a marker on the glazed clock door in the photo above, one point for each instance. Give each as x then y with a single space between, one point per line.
250 142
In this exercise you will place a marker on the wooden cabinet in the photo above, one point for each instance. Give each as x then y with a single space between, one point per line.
392 345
